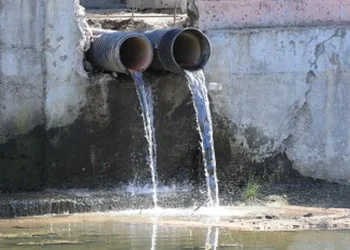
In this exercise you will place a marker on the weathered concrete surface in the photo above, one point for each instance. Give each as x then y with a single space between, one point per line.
103 4
22 66
60 128
53 201
284 91
105 147
41 70
157 4
284 107
64 45
41 83
224 14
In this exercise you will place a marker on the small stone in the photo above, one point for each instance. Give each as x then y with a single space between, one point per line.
308 215
270 217
215 87
88 66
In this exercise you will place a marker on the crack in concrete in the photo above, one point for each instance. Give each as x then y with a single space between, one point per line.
281 149
320 49
193 13
286 141
309 77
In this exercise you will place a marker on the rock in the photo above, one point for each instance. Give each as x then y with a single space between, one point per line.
270 217
308 215
88 66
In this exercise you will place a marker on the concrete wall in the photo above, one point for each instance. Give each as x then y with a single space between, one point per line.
224 14
14 70
284 103
63 128
285 89
42 82
41 58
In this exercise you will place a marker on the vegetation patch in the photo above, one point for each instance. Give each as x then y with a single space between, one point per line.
252 189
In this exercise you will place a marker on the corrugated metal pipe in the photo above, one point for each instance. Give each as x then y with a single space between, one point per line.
179 49
120 51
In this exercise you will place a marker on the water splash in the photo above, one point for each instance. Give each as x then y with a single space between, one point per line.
154 237
196 82
212 239
144 93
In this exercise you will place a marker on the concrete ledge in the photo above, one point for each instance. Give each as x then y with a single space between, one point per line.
103 4
83 201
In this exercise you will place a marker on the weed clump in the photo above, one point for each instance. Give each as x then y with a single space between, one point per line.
252 189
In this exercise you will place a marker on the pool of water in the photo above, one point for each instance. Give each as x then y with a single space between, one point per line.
80 233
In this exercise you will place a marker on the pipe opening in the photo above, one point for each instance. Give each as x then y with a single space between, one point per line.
191 49
136 53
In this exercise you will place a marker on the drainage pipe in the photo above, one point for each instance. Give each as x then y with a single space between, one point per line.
176 50
120 51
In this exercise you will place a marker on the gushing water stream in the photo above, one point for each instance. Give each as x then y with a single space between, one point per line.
144 93
154 237
196 82
212 238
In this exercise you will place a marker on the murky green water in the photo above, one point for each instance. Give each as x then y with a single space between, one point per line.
116 235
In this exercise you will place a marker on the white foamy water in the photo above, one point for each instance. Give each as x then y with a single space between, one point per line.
212 238
196 83
213 213
154 237
147 189
144 93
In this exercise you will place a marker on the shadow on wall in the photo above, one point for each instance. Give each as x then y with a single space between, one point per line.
236 164
105 146
22 162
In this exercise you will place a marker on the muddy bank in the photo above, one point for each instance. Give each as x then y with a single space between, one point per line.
317 197
254 218
241 218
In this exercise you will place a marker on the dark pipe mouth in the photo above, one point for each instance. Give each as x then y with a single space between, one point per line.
191 49
136 53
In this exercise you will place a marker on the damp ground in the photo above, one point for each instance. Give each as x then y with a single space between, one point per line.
300 216
169 229
276 207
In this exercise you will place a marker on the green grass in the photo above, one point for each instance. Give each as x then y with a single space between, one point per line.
252 190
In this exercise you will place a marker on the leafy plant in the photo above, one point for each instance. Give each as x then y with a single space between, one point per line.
252 190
